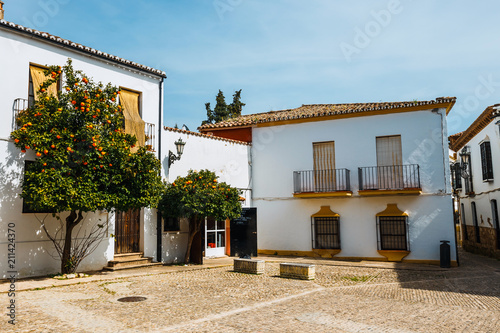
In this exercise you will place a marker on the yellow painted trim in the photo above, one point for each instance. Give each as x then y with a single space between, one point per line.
393 255
323 194
315 253
318 253
413 191
448 107
325 211
323 253
392 210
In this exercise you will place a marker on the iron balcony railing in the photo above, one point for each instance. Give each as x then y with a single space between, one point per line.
392 177
149 131
20 104
321 181
246 193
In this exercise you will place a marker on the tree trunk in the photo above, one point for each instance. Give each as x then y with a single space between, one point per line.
194 228
67 262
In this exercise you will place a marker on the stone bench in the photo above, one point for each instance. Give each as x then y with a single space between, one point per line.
250 266
298 271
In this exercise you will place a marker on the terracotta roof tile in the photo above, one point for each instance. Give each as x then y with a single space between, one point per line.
457 141
319 110
171 129
78 47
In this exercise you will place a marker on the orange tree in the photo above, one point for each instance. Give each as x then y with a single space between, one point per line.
196 196
84 160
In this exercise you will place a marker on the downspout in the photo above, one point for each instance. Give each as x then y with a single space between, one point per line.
159 231
447 165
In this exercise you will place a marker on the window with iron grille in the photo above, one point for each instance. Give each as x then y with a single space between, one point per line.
326 233
393 233
474 221
486 161
462 215
171 224
496 222
467 175
456 171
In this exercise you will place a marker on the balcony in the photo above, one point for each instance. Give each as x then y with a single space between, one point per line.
322 183
20 104
149 131
389 180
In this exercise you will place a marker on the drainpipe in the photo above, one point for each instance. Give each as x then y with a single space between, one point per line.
159 231
447 165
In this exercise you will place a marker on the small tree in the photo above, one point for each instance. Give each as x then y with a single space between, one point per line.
84 160
196 196
222 111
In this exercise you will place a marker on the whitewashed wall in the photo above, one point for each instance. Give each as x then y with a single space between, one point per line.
485 191
284 222
17 52
228 159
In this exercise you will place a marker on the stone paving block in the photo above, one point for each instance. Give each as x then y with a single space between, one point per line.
298 271
250 266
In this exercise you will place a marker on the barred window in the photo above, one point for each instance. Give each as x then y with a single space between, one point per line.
393 232
464 224
171 224
475 223
456 172
486 161
326 233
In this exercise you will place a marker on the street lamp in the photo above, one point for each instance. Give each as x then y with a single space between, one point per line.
465 156
179 145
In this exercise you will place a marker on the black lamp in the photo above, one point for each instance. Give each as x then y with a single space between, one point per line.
465 155
179 145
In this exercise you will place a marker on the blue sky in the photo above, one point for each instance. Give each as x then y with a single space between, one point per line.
283 54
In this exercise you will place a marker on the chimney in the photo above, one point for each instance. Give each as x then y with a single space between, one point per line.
1 10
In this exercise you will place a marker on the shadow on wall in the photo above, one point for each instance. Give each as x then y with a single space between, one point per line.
34 252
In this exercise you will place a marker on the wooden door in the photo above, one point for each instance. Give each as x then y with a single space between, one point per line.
127 231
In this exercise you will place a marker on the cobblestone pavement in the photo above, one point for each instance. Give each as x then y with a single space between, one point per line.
344 297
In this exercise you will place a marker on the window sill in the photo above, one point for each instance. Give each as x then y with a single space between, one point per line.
406 191
323 194
394 255
326 253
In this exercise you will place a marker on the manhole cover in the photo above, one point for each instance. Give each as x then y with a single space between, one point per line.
132 299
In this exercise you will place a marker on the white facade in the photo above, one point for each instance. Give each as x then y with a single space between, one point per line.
483 191
229 160
284 221
20 49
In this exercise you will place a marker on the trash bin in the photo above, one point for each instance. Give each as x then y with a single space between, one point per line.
445 258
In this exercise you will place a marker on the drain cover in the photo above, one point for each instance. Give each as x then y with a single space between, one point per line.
132 299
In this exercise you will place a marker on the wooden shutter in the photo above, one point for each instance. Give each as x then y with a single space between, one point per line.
389 151
37 78
134 125
324 166
389 162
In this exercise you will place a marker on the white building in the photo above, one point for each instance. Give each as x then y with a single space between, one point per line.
476 182
25 52
364 181
229 159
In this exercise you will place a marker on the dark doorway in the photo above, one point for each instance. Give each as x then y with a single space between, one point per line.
196 254
244 233
127 231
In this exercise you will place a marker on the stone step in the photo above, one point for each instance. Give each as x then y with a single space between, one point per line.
118 268
128 256
129 262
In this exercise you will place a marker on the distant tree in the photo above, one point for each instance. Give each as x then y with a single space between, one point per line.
199 195
84 160
222 111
